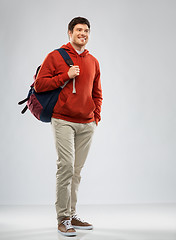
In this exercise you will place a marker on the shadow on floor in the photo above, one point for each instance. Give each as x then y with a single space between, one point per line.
96 234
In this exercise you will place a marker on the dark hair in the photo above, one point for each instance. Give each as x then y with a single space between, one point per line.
78 20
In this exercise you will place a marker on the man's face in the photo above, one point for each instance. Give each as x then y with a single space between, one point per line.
80 35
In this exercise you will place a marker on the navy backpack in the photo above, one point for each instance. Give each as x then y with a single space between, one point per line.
42 104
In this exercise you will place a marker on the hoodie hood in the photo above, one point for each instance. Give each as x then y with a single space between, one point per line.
70 49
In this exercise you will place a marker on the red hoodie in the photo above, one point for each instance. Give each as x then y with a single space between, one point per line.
84 106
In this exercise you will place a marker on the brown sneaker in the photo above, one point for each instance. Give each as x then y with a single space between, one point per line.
80 224
66 228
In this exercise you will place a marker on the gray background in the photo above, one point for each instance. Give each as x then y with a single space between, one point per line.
132 159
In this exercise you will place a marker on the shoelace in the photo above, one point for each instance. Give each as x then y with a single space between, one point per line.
77 218
67 224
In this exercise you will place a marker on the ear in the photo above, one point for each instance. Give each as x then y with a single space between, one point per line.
70 33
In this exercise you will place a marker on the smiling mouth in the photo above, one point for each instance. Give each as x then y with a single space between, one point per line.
82 39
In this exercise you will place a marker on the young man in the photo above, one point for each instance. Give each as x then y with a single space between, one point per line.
75 116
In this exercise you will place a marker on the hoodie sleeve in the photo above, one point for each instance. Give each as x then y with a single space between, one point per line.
47 79
97 95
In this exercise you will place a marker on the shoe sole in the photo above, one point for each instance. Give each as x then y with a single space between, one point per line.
68 234
83 227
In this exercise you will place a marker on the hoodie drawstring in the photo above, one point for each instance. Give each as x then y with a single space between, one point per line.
74 89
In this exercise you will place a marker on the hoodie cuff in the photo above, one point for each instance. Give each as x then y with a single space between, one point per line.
96 120
65 77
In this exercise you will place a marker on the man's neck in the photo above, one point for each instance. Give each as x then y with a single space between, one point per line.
77 47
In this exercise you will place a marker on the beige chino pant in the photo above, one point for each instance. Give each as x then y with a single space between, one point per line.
72 141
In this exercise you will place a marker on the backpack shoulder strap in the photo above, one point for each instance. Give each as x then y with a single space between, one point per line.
65 56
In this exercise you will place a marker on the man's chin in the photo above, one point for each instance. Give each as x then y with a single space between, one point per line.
81 44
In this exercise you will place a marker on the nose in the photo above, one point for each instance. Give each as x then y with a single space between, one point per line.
83 34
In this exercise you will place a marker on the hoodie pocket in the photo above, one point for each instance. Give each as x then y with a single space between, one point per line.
78 107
